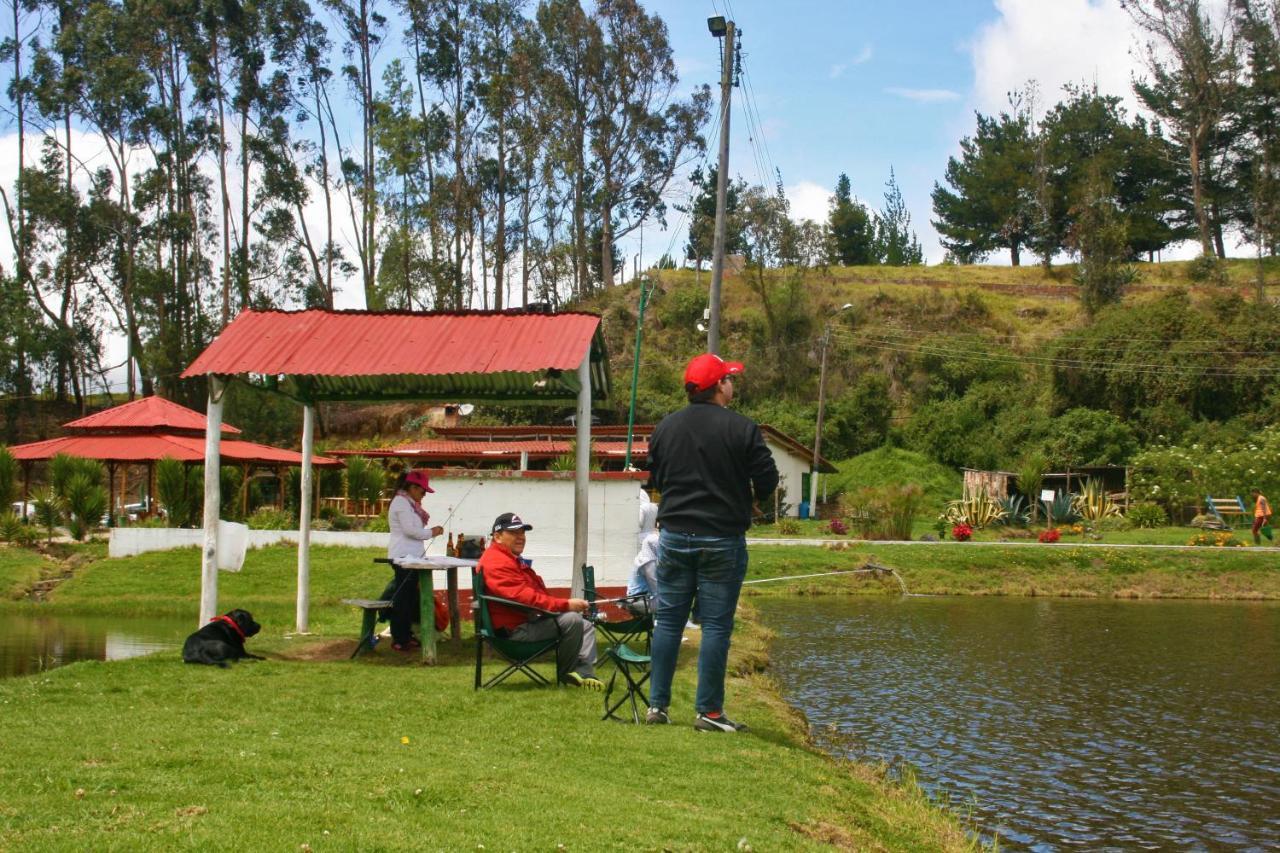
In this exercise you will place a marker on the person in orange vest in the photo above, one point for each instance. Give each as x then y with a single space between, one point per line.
1261 515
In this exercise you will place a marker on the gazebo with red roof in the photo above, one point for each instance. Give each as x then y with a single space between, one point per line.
145 431
316 356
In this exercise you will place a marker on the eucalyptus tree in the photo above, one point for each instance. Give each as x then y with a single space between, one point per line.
1193 66
1257 164
571 45
640 134
401 138
363 28
499 25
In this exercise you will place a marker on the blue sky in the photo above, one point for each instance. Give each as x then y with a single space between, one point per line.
859 87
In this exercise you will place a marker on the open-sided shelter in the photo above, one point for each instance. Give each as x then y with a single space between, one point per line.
145 431
315 356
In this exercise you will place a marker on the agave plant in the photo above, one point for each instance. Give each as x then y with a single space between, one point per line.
1093 503
1062 509
1015 511
977 510
86 502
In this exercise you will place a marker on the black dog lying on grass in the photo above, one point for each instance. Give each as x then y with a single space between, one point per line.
222 640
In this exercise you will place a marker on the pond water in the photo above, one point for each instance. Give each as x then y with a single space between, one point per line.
32 643
1062 724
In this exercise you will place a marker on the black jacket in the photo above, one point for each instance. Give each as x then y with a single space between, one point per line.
706 461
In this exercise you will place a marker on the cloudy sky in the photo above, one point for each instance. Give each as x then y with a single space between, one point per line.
859 87
854 86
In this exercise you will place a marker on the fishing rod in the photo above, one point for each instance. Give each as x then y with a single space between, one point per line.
448 517
868 569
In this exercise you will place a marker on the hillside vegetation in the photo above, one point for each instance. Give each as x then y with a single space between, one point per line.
972 365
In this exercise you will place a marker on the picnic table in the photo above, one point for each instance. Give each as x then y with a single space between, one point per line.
426 590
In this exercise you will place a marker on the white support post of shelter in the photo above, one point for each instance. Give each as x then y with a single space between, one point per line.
304 520
212 500
581 473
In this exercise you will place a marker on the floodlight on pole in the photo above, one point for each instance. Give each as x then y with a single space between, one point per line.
717 26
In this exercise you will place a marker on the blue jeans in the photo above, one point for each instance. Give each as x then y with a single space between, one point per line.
712 568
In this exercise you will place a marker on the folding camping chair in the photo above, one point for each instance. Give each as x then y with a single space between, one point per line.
617 632
629 665
518 654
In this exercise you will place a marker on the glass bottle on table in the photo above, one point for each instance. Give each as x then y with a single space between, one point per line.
451 550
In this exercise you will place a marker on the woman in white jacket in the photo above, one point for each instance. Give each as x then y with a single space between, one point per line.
409 534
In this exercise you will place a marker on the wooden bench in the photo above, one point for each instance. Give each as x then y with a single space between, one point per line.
1220 508
369 626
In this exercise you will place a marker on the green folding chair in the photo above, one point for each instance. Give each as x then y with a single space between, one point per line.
519 655
617 632
634 669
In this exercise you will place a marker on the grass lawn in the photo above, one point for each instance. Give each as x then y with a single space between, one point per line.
19 569
309 751
1061 570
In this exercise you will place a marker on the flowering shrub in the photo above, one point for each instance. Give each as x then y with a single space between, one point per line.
1050 535
962 533
1077 529
1174 477
1221 539
838 527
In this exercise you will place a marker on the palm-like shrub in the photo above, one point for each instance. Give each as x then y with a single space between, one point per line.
882 512
47 510
363 480
86 503
180 490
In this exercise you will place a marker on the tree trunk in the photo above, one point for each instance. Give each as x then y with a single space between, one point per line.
1197 196
500 228
1015 256
215 53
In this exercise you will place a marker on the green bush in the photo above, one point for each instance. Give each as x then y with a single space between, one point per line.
1207 269
891 466
378 524
788 526
12 528
270 518
1147 515
883 512
47 510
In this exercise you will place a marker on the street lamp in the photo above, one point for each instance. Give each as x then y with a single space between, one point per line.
822 391
645 292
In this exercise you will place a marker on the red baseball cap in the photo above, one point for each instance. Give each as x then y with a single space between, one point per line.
707 369
418 477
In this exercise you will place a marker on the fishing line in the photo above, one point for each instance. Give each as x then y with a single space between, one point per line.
868 569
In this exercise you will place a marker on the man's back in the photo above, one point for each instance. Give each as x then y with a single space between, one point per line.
706 460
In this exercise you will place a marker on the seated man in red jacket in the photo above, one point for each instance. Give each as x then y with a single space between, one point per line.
508 575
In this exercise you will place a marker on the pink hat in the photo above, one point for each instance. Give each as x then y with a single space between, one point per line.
418 477
707 369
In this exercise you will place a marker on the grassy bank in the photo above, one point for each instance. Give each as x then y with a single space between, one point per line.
19 569
308 751
1054 570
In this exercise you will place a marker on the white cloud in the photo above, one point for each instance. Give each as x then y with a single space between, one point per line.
1066 41
809 201
863 56
924 96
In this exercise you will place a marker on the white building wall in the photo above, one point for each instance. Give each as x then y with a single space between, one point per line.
791 471
468 505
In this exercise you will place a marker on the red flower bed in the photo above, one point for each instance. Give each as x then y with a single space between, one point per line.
962 533
1050 535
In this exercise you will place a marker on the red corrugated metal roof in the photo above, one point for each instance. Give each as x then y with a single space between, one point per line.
360 343
151 447
154 413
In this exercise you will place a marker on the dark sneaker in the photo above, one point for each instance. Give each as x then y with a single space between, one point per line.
657 717
717 723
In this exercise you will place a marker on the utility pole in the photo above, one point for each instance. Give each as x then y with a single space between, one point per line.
728 59
817 435
822 395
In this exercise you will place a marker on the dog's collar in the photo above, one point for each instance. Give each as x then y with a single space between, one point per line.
230 622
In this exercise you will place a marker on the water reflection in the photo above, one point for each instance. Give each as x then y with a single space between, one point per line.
34 643
1068 724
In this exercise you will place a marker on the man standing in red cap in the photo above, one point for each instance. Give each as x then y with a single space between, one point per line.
710 465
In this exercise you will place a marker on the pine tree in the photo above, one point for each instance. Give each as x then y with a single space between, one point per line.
853 233
896 243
